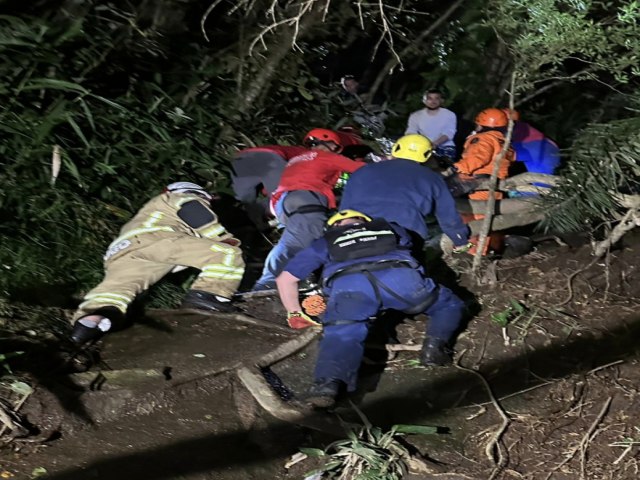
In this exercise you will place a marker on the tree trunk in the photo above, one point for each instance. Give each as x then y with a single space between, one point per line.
247 100
505 206
503 222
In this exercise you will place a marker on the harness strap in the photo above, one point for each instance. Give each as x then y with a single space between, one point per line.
305 208
377 284
369 266
421 307
336 323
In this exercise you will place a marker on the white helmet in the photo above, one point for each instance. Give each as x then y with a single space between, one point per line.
188 187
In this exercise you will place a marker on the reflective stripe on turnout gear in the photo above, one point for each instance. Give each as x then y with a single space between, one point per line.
222 271
225 270
215 231
140 231
154 217
121 302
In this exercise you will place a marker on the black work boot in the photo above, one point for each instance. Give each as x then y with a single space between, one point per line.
436 352
208 302
91 327
323 393
82 334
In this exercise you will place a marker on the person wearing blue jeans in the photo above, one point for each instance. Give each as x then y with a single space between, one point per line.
303 199
367 268
303 214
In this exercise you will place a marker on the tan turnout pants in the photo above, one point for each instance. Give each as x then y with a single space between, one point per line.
151 256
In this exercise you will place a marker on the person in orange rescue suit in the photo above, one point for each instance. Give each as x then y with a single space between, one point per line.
304 198
482 149
175 229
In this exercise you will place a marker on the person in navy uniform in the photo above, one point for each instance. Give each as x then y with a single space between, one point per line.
367 267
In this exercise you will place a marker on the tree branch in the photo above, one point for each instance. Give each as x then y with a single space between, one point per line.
396 60
630 221
551 85
493 181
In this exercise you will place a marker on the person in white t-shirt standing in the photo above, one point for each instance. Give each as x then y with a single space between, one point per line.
437 124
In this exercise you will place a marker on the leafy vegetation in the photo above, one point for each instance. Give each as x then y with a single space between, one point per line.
102 104
600 179
367 453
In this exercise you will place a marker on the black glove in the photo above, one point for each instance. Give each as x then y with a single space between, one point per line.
459 185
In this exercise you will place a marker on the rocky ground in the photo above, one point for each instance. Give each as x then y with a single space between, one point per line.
552 395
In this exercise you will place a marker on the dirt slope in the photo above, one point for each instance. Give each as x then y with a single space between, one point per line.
563 404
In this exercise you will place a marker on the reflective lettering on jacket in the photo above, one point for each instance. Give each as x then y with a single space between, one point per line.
361 240
116 247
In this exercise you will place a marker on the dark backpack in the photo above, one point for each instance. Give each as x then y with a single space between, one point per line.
367 239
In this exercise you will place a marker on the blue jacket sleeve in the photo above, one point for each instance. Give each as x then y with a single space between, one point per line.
404 239
447 215
309 260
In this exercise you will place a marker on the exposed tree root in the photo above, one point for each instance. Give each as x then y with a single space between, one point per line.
630 221
492 450
583 445
254 381
570 282
288 348
253 321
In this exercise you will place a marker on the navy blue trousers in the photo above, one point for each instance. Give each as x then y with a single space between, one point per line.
353 300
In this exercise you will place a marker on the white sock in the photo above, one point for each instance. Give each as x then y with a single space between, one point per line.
104 324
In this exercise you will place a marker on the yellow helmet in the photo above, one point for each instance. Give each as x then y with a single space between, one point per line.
413 147
344 214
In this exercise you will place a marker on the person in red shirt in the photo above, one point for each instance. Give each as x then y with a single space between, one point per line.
304 198
255 175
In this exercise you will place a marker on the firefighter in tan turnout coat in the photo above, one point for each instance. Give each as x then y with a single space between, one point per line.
176 228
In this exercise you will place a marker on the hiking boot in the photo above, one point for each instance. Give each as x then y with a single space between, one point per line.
516 246
323 393
207 302
436 352
82 334
85 331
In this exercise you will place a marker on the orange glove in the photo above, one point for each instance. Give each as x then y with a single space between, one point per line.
299 320
314 305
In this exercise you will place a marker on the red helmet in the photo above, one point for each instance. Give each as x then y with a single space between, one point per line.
322 135
492 117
